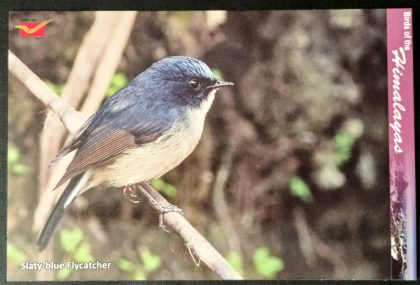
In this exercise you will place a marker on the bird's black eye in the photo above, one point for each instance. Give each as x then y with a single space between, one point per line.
194 84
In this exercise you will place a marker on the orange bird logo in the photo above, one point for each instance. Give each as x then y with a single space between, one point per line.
33 29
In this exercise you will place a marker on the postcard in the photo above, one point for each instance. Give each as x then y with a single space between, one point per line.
211 144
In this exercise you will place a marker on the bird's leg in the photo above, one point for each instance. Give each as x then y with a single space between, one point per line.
162 209
130 194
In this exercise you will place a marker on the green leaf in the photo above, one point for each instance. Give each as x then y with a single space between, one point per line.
235 260
57 88
300 189
343 143
70 239
164 187
83 253
217 73
150 261
13 163
64 274
12 155
126 265
265 264
14 254
138 275
118 81
19 169
341 157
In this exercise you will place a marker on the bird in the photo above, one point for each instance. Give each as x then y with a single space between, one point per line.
141 132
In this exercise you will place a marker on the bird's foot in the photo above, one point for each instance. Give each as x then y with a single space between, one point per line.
164 209
130 194
161 209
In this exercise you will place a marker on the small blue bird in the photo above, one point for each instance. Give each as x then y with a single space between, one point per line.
143 131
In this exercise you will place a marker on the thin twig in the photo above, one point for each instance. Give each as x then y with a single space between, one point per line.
219 201
304 236
73 120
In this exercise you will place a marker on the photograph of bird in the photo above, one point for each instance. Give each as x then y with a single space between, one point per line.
141 132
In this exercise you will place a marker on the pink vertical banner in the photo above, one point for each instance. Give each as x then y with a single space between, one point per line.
401 143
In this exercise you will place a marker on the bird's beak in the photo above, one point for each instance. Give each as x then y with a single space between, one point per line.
220 84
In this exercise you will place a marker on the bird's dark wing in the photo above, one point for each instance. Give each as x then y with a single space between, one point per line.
115 133
73 143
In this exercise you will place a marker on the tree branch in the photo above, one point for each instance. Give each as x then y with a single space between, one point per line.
73 120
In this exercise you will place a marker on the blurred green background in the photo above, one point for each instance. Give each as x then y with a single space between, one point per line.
290 179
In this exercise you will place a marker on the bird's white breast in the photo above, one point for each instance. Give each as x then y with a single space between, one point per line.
155 159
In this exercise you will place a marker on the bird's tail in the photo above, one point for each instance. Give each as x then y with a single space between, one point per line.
72 190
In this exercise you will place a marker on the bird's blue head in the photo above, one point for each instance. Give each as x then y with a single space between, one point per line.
183 80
